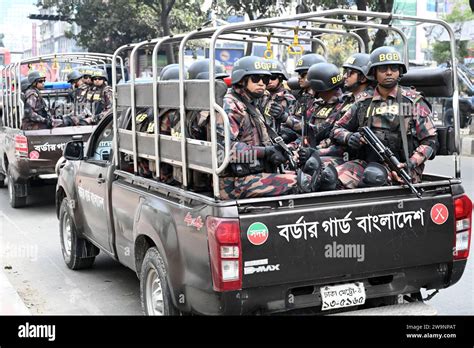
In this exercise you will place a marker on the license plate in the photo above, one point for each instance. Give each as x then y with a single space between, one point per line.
340 296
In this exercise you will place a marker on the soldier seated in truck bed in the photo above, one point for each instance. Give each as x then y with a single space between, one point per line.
400 117
37 116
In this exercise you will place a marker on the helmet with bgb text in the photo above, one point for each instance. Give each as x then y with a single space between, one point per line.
324 77
305 62
249 65
386 55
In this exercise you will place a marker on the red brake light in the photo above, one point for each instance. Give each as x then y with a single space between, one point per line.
225 253
21 146
463 225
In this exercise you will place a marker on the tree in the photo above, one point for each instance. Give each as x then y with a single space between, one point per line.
253 9
362 5
441 49
109 24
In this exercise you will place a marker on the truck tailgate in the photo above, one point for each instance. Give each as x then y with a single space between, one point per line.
49 144
345 239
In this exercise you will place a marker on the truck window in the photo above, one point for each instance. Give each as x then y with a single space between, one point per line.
102 148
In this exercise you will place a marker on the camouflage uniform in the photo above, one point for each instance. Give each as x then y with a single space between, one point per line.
383 118
251 177
327 147
36 113
79 101
99 100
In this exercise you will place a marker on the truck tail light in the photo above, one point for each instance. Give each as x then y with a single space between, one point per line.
225 251
463 216
21 146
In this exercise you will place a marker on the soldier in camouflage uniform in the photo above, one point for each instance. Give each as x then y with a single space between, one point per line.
325 80
252 171
278 102
36 112
77 99
197 122
382 112
168 120
305 99
99 98
359 86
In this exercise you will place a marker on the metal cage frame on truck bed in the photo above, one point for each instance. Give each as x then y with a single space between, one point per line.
203 95
10 75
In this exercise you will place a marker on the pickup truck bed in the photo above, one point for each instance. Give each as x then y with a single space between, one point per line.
290 248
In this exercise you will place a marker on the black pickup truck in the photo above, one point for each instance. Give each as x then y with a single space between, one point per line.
31 155
194 253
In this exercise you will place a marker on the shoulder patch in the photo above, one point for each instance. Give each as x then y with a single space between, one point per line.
362 96
411 93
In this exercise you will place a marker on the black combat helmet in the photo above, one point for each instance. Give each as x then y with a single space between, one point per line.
169 66
374 175
171 72
324 77
250 65
277 68
25 84
199 70
35 76
74 75
359 62
304 63
100 73
386 55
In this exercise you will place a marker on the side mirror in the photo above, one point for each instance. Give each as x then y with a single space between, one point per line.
74 150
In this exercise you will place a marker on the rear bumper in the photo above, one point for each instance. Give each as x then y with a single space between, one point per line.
24 169
295 297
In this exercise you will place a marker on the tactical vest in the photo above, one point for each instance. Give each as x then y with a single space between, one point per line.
41 107
383 118
95 99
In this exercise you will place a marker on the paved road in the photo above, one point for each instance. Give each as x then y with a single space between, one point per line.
458 299
29 240
29 243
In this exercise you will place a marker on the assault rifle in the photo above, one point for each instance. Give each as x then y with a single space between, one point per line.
278 141
388 157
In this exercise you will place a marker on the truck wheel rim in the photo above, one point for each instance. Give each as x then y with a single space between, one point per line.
154 293
67 235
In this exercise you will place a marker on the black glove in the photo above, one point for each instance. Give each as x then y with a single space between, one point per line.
274 155
278 113
288 135
305 153
354 141
48 122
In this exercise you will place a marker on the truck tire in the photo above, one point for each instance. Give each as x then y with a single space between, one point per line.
15 200
154 290
71 243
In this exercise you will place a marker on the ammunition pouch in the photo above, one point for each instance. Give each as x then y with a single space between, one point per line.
245 169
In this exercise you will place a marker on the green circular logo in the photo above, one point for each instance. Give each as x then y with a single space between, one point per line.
257 233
